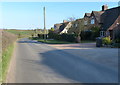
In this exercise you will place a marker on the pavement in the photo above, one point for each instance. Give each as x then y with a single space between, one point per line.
44 63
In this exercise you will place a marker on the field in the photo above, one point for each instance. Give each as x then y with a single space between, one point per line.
22 33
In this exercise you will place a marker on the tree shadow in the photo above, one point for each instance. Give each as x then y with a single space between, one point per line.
73 67
76 68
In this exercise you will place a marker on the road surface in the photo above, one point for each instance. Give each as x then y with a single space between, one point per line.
40 63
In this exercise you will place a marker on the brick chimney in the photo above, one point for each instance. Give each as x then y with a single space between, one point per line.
104 7
64 21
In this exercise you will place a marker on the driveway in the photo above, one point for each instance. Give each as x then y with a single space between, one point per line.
89 51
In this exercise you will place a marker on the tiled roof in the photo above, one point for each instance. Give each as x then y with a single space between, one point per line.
110 16
114 25
97 15
87 14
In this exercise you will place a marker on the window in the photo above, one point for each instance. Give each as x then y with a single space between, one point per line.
55 27
76 25
92 21
85 23
102 33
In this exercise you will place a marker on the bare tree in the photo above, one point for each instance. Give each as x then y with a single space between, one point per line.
72 18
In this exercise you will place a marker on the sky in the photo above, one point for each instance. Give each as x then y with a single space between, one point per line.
29 15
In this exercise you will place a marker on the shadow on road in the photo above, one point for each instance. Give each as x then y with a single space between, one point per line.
76 68
27 42
72 67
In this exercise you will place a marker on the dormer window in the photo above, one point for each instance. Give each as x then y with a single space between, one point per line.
92 20
85 23
55 27
76 25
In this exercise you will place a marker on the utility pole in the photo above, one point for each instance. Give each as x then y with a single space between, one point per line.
44 25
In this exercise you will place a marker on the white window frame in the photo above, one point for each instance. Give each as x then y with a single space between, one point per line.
92 21
76 25
85 22
102 33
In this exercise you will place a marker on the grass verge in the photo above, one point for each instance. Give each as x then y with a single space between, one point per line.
6 56
87 41
58 41
53 41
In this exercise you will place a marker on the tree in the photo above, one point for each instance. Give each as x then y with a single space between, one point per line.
95 32
52 29
71 18
79 25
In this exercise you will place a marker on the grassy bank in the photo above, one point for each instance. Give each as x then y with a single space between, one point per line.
0 69
6 56
53 41
8 40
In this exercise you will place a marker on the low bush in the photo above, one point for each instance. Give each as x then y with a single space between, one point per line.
117 40
41 36
117 45
7 39
106 41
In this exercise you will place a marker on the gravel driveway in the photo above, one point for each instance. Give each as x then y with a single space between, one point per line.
105 56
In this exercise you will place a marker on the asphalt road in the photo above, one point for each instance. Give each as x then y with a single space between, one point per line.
40 63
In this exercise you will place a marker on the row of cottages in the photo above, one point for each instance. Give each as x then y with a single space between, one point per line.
108 20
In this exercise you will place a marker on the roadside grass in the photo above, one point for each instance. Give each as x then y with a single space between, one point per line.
6 56
87 41
0 69
7 45
34 38
54 41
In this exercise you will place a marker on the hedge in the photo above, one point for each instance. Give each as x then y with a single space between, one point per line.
63 37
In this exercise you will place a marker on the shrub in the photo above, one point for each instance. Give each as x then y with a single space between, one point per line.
41 36
116 45
7 39
117 40
86 35
63 37
106 41
68 37
90 34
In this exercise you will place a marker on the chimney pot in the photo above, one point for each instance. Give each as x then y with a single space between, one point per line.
104 7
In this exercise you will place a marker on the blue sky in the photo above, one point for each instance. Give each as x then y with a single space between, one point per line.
28 15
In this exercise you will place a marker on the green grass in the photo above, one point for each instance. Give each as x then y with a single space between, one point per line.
59 41
87 41
6 56
34 38
62 42
54 41
21 33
